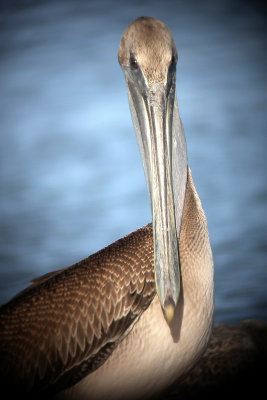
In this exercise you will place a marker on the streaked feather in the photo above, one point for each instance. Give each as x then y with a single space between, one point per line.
67 323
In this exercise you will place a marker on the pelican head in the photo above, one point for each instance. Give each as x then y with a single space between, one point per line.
148 57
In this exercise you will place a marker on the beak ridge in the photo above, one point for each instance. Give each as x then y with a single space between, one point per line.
152 108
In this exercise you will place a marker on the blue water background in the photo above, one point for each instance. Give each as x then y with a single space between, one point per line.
71 179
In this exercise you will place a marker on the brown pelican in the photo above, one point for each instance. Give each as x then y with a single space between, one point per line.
129 320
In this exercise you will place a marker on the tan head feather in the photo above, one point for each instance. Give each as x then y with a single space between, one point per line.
150 43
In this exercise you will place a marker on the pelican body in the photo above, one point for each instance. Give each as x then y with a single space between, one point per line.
130 320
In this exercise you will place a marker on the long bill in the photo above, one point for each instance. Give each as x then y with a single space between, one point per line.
163 149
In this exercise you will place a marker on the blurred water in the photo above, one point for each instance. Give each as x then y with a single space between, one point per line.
71 179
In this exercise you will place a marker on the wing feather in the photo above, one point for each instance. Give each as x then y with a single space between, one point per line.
68 322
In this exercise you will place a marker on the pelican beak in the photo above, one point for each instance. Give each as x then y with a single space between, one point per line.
152 109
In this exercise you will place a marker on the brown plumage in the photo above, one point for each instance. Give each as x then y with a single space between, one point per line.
65 326
98 330
68 322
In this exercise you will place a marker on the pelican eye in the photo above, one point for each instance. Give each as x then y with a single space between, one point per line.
133 62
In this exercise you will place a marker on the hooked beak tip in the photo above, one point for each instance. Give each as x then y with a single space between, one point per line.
169 313
169 309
